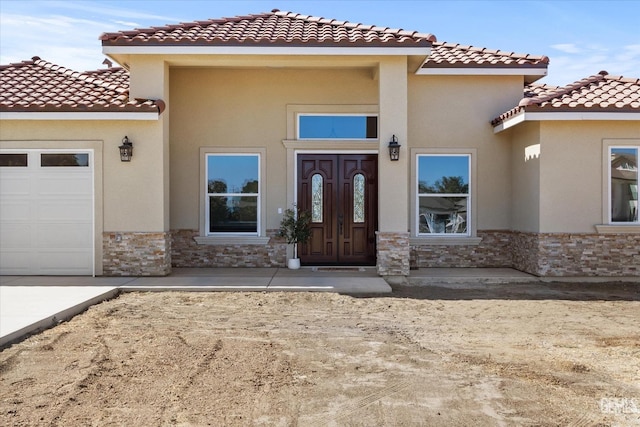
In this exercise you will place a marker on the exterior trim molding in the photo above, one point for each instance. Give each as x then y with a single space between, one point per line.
563 116
266 50
481 71
342 146
444 241
231 240
617 229
78 116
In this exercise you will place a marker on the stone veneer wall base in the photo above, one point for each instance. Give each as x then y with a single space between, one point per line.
393 253
579 254
185 252
540 254
493 251
136 254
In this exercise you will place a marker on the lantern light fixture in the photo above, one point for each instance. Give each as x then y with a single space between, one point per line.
394 149
126 150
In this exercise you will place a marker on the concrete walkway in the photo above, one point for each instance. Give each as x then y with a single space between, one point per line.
32 303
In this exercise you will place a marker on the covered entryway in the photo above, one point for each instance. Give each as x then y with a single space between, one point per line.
46 212
341 192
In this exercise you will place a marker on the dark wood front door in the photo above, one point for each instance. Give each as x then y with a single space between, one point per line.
341 192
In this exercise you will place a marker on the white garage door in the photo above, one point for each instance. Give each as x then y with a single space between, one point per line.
46 212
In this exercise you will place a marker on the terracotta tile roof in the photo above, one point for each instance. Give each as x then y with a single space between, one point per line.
40 86
598 93
273 28
117 76
451 55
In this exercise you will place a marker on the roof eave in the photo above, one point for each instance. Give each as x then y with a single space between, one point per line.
530 74
528 116
80 115
377 50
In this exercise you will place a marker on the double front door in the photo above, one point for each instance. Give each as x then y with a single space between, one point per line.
341 193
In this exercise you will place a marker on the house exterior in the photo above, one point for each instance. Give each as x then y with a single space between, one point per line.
236 119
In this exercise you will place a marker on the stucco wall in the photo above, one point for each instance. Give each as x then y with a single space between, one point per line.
525 180
246 108
455 112
131 192
571 172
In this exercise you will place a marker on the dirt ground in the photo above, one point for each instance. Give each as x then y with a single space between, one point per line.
450 355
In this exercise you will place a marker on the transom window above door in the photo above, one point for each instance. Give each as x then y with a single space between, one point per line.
337 126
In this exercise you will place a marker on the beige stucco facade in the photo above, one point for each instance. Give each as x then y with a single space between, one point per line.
538 178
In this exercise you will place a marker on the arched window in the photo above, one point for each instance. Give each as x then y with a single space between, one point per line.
316 198
358 198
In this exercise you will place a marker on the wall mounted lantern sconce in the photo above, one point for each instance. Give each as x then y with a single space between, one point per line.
394 149
126 150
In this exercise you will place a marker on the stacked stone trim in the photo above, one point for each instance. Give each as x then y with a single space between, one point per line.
393 253
493 251
187 253
541 254
136 254
604 255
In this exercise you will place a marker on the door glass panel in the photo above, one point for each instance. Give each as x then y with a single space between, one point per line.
316 198
358 198
64 160
13 160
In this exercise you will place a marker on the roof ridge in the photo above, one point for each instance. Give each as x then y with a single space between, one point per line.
105 70
84 76
68 72
354 25
19 64
564 90
541 58
190 24
275 12
621 79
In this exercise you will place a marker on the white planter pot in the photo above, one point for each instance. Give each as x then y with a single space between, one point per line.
294 263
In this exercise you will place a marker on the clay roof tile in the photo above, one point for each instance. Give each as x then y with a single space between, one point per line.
38 85
270 28
597 93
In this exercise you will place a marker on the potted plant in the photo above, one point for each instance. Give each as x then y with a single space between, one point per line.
295 228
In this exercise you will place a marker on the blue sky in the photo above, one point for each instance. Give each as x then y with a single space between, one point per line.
580 37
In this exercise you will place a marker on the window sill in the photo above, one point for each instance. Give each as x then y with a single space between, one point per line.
618 229
445 241
231 240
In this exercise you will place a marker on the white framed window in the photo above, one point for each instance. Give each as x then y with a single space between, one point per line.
14 160
232 194
623 184
333 126
443 195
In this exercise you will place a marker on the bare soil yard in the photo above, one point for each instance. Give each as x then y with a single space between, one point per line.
450 355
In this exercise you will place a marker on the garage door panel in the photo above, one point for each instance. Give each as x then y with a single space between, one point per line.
64 236
15 236
15 184
46 216
16 262
70 210
12 210
64 262
68 185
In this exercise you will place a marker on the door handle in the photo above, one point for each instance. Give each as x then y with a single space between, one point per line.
340 222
